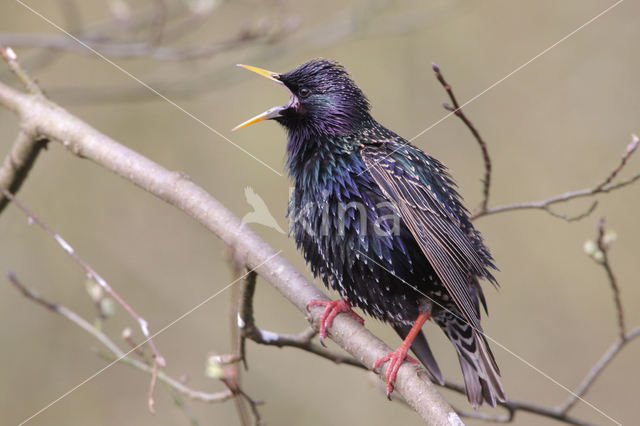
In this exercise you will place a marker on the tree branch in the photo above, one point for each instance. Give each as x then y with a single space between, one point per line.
46 121
302 340
178 190
18 163
598 367
11 59
603 247
91 274
457 110
118 354
605 186
25 149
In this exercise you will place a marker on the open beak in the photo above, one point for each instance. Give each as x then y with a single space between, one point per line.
270 113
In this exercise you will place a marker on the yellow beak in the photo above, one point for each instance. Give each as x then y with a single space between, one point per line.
269 114
265 73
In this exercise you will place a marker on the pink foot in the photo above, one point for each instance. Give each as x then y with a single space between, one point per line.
396 359
331 309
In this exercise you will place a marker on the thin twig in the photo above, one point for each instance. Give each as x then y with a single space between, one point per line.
18 163
605 186
237 340
573 218
603 246
601 256
494 418
514 405
91 273
631 147
245 319
152 387
11 59
457 110
142 48
174 188
302 340
598 367
27 146
117 353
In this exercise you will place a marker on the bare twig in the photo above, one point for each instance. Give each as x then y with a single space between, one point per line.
457 110
27 146
283 32
175 188
599 252
605 186
573 218
18 163
138 349
483 210
117 353
302 340
136 48
245 320
631 147
598 367
603 246
11 59
513 405
91 273
237 340
152 386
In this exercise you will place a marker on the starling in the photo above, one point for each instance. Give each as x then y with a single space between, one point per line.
380 222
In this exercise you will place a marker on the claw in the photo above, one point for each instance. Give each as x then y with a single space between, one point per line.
397 357
331 309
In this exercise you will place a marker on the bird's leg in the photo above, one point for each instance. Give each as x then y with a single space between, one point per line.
397 357
331 309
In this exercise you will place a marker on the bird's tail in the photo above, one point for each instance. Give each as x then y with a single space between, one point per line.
479 369
421 348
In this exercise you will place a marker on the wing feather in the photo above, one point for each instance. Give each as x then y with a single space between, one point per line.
449 250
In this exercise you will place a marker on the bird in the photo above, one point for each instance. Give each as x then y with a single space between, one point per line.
260 213
381 222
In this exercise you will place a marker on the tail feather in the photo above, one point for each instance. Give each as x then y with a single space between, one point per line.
421 349
479 369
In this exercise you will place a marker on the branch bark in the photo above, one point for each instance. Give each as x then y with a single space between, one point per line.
18 163
48 120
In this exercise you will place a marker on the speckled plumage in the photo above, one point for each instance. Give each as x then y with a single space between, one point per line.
379 221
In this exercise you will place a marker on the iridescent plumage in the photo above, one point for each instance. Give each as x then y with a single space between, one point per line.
380 221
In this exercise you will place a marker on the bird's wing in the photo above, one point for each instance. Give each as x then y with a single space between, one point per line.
419 194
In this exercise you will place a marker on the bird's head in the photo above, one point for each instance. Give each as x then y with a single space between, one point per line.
324 100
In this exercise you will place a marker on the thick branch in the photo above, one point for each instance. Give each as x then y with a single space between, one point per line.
178 190
302 340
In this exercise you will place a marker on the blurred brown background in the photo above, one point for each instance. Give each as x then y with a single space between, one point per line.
561 123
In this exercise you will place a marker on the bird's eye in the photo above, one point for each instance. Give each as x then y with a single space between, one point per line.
304 92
